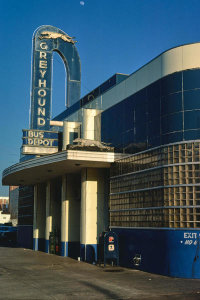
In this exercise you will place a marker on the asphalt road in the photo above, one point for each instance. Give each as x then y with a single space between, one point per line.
26 274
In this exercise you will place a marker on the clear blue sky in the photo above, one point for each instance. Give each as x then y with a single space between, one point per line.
113 36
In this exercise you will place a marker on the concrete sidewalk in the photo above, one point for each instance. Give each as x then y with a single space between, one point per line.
26 274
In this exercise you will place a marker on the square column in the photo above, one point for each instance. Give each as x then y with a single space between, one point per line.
53 213
64 218
39 217
70 215
35 219
91 124
94 210
48 216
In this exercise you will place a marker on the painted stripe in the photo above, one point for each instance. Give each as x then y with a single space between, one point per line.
64 249
35 244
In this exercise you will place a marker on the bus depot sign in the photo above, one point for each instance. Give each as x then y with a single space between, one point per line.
33 140
46 40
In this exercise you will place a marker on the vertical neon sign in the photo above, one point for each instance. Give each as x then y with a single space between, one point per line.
47 39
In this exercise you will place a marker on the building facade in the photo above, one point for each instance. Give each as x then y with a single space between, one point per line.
127 158
4 203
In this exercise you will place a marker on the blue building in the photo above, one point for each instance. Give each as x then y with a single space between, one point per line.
125 157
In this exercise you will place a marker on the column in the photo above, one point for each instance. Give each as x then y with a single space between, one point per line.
91 124
94 217
70 216
71 131
74 196
39 217
64 218
35 219
48 216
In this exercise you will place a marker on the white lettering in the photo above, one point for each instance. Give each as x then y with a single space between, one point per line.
190 235
41 101
41 134
43 46
43 64
30 133
42 83
188 242
46 143
43 73
37 139
43 54
42 93
40 142
30 141
41 111
41 121
35 134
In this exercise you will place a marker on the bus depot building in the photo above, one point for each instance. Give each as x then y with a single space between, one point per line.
125 157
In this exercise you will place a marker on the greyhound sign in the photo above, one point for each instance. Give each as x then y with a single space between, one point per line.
47 39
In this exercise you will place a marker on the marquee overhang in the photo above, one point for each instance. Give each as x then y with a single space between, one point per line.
42 169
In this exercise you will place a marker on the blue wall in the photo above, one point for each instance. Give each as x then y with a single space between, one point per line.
171 252
25 236
166 111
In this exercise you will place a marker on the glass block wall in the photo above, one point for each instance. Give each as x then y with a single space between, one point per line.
25 206
157 188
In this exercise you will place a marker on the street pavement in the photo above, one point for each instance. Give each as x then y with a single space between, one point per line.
27 274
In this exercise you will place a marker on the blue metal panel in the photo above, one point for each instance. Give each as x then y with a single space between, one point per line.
47 246
74 249
88 252
25 236
171 252
41 244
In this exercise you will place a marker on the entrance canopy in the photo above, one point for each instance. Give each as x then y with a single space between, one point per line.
42 169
